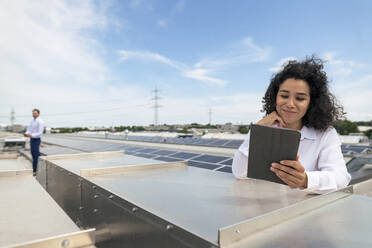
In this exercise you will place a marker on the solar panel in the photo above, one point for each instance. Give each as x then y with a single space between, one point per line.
164 152
134 148
227 162
205 161
233 143
218 142
130 153
206 141
358 149
114 148
145 155
93 147
168 159
193 141
184 155
179 141
225 169
210 158
203 165
53 150
121 147
200 141
147 150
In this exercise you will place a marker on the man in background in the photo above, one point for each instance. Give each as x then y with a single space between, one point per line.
34 131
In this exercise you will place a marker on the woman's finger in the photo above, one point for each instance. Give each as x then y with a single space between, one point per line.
296 177
291 181
279 119
294 164
287 169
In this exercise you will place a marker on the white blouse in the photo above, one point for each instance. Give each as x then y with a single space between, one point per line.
319 153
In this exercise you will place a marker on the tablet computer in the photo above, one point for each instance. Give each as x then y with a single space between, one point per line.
268 145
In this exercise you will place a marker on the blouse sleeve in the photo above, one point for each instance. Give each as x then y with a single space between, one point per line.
332 173
240 161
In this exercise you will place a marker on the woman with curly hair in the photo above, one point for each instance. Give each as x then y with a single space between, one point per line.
298 98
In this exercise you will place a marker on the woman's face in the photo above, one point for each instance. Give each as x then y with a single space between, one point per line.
292 101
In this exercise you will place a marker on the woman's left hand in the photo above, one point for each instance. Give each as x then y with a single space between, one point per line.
291 172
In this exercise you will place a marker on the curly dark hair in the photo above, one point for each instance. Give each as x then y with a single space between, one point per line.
323 109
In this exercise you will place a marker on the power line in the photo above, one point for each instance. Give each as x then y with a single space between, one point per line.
69 102
210 116
156 105
85 112
12 117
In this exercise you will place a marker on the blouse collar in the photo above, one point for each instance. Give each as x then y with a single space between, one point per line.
308 133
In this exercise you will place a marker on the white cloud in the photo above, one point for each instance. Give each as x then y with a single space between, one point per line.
202 75
280 65
135 3
178 8
186 71
168 19
235 108
146 56
357 104
44 41
49 55
340 67
351 82
255 52
356 97
243 52
162 23
52 59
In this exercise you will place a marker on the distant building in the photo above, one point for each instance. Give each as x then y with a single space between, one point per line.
228 127
16 128
3 127
48 130
364 128
354 138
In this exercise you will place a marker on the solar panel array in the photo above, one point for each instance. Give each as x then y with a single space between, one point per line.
355 149
184 141
70 145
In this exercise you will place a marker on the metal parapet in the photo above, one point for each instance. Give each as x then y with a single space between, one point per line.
29 217
137 202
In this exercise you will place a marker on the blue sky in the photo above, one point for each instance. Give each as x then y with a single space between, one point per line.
96 62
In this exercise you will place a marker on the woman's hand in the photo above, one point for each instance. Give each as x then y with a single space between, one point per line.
271 119
291 172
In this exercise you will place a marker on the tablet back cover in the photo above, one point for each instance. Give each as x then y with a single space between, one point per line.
268 145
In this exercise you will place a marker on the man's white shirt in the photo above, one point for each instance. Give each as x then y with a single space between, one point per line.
36 128
319 153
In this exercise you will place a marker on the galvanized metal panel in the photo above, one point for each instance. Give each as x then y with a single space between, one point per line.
28 212
239 231
363 188
81 239
75 163
129 168
343 224
65 188
177 206
120 223
200 201
41 175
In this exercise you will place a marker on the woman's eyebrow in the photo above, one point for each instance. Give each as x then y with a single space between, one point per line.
297 93
301 93
286 91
